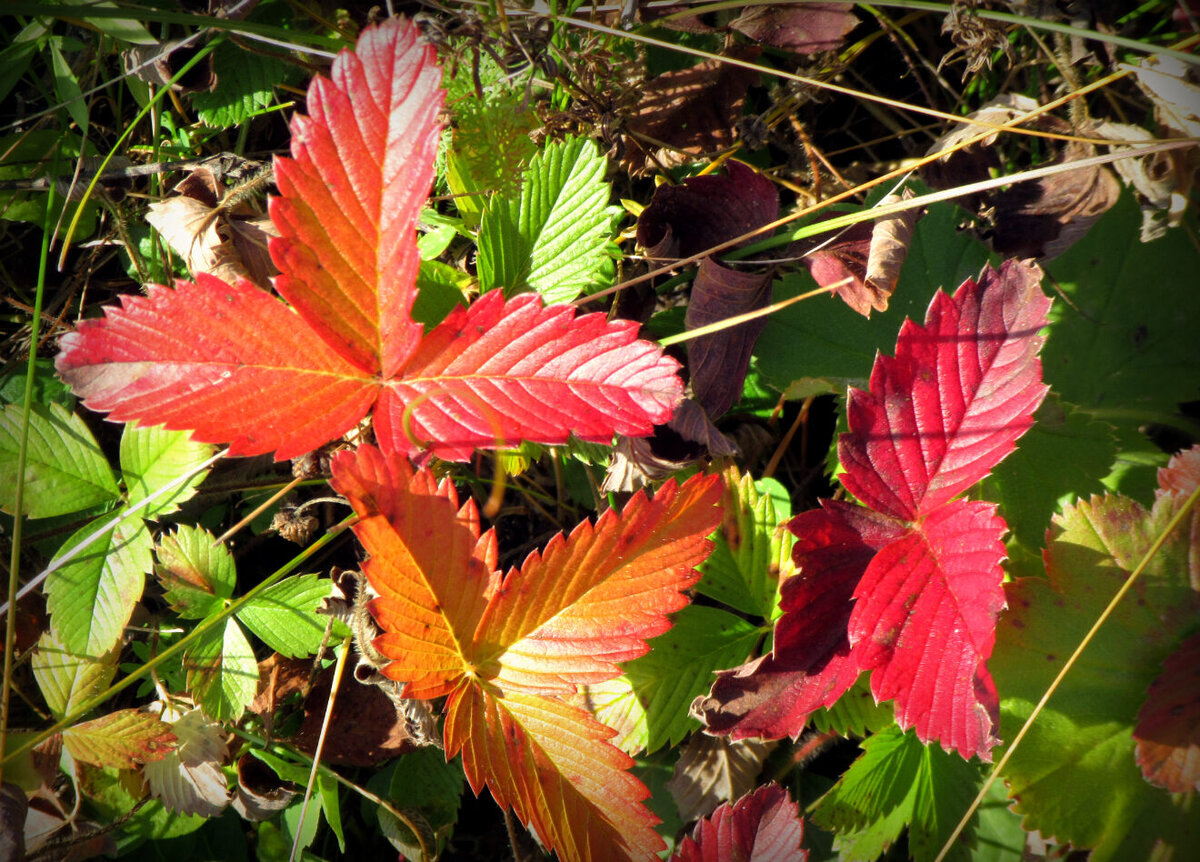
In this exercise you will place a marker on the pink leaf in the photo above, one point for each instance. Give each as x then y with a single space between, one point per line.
763 826
953 401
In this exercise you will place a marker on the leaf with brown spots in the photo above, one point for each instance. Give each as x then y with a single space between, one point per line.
510 650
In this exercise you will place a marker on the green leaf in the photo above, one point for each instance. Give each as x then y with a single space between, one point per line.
31 155
327 790
999 836
1122 344
66 88
47 387
824 345
111 799
1074 775
91 598
553 239
1063 457
197 575
751 554
284 615
153 457
15 57
899 782
65 471
246 83
679 668
67 680
855 713
222 672
440 287
425 786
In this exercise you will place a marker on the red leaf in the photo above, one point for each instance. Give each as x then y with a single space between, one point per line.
763 826
924 620
953 401
509 651
269 378
1168 728
361 167
909 588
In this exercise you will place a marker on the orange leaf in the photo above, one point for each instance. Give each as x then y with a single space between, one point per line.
508 651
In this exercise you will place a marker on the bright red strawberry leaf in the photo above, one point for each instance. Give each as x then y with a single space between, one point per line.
233 364
910 586
763 826
509 650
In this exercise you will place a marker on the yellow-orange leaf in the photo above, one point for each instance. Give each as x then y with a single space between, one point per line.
509 650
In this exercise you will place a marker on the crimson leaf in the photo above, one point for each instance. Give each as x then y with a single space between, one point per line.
909 586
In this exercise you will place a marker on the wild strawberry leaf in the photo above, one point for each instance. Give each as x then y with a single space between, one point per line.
222 673
1075 775
897 782
760 827
285 378
65 470
120 739
66 679
509 650
1168 728
910 586
91 597
950 405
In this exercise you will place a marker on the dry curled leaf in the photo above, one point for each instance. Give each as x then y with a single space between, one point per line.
865 261
211 239
1038 219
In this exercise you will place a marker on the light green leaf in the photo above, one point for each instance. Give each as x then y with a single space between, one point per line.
855 713
554 238
899 782
1074 774
222 672
284 615
423 784
196 574
91 598
65 471
752 553
489 146
153 457
680 667
67 680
